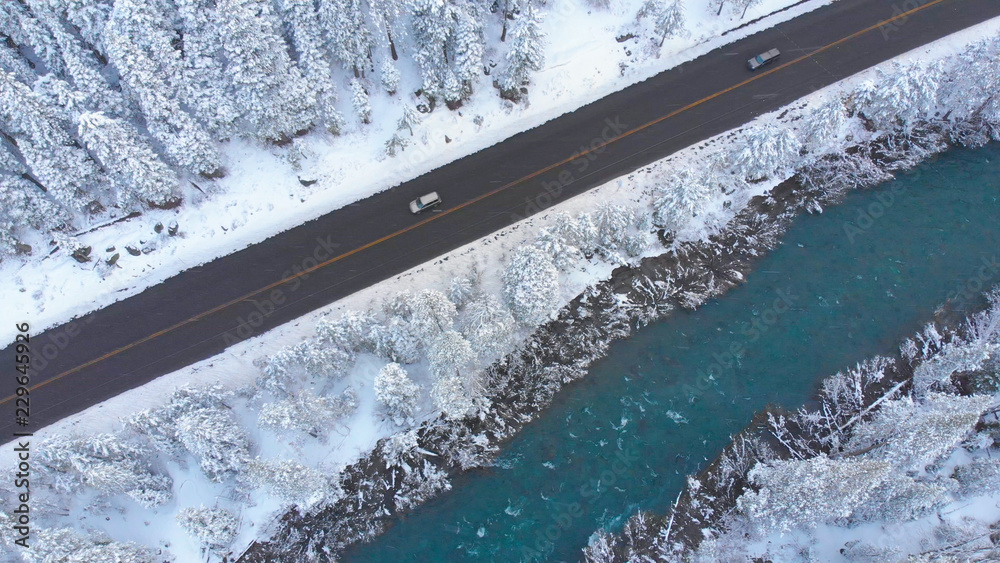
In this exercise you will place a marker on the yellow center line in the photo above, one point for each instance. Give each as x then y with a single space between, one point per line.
475 200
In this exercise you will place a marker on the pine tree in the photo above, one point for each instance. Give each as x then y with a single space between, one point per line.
203 87
531 285
313 57
396 393
148 64
490 327
348 35
396 341
911 435
269 91
359 97
526 52
667 18
433 24
468 44
793 494
24 206
215 438
431 314
389 76
454 392
768 149
681 197
138 173
215 528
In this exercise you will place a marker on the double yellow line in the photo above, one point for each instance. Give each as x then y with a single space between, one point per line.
477 199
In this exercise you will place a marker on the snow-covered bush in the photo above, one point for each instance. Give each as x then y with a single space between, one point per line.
215 528
308 412
397 393
107 462
291 481
64 545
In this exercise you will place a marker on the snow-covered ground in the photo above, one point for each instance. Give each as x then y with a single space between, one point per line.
356 434
262 195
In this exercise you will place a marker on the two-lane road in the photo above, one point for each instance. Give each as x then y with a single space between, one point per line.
200 312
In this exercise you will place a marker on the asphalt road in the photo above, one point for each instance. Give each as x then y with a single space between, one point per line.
201 311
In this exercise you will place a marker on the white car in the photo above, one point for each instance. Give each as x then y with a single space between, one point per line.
764 58
424 203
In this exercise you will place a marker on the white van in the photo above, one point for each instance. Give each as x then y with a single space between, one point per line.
425 202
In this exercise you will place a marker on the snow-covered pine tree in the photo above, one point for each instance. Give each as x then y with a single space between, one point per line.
82 68
359 97
24 205
454 392
910 435
216 439
12 61
107 463
389 76
138 173
69 176
525 54
385 16
269 91
396 393
666 17
768 149
301 18
679 198
187 143
489 326
824 126
468 43
793 494
433 24
350 332
347 33
215 528
27 30
203 88
431 314
563 254
531 285
899 97
396 341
